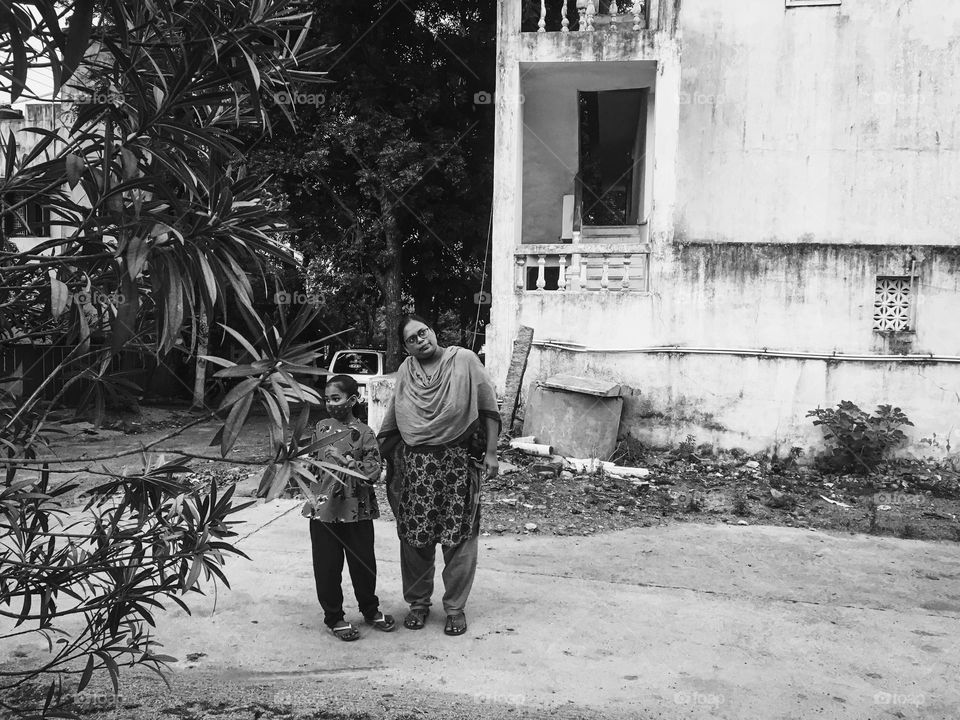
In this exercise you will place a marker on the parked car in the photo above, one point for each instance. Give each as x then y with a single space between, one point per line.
361 364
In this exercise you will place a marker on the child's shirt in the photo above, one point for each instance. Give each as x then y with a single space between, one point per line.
353 499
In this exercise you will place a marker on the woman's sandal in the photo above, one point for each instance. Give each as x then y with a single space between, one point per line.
345 631
416 618
456 625
384 623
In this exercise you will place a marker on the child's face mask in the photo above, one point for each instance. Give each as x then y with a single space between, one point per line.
339 405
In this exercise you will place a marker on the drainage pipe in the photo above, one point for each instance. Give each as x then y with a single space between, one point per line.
683 350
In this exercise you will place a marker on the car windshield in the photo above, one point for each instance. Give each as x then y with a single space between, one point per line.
356 363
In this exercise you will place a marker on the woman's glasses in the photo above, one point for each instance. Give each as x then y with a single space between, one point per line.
419 335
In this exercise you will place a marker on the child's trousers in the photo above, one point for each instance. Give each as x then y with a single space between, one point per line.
331 543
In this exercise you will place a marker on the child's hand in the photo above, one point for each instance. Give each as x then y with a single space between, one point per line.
332 455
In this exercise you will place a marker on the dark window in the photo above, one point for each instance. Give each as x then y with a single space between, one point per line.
29 220
612 158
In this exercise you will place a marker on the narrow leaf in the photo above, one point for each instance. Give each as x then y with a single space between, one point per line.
234 424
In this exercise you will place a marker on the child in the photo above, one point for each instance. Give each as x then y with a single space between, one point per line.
341 525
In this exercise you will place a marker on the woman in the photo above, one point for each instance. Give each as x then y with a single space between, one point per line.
439 433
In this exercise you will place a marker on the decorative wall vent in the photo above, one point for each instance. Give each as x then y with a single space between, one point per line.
893 304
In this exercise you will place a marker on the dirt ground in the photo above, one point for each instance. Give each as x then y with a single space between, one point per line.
684 557
685 484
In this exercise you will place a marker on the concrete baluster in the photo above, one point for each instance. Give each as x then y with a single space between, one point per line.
591 13
574 274
582 13
521 272
562 280
605 275
564 22
583 272
541 272
625 280
637 14
542 25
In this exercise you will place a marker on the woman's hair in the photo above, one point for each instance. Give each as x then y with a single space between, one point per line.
406 320
346 383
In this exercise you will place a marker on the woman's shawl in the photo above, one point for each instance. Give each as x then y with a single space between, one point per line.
445 409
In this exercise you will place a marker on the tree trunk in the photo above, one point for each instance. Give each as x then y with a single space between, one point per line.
389 280
123 327
200 380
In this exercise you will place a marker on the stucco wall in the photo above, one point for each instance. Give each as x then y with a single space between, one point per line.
808 299
798 154
828 124
759 404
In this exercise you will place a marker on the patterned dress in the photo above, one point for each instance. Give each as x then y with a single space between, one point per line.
347 499
439 496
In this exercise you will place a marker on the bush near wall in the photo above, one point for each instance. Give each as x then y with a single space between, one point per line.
857 441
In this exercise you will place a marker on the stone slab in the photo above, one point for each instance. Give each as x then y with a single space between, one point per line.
588 386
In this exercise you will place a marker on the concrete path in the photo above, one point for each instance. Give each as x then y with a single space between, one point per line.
685 621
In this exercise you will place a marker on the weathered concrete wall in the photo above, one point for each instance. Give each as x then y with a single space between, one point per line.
811 299
798 155
759 404
828 124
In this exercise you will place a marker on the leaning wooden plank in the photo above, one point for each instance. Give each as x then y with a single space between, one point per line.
518 363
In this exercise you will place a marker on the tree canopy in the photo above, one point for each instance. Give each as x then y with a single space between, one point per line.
389 173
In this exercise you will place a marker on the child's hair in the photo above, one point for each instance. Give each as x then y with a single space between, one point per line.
346 383
404 321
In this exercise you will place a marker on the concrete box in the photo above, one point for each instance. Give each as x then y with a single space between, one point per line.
576 424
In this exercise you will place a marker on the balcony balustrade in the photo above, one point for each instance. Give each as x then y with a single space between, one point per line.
593 268
591 15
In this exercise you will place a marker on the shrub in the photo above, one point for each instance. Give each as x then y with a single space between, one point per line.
857 441
741 504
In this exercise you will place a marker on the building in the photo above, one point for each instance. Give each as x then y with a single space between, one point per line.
740 211
29 225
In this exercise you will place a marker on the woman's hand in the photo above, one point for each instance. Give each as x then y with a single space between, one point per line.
490 464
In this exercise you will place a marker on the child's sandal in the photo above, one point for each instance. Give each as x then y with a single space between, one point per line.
345 631
384 623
